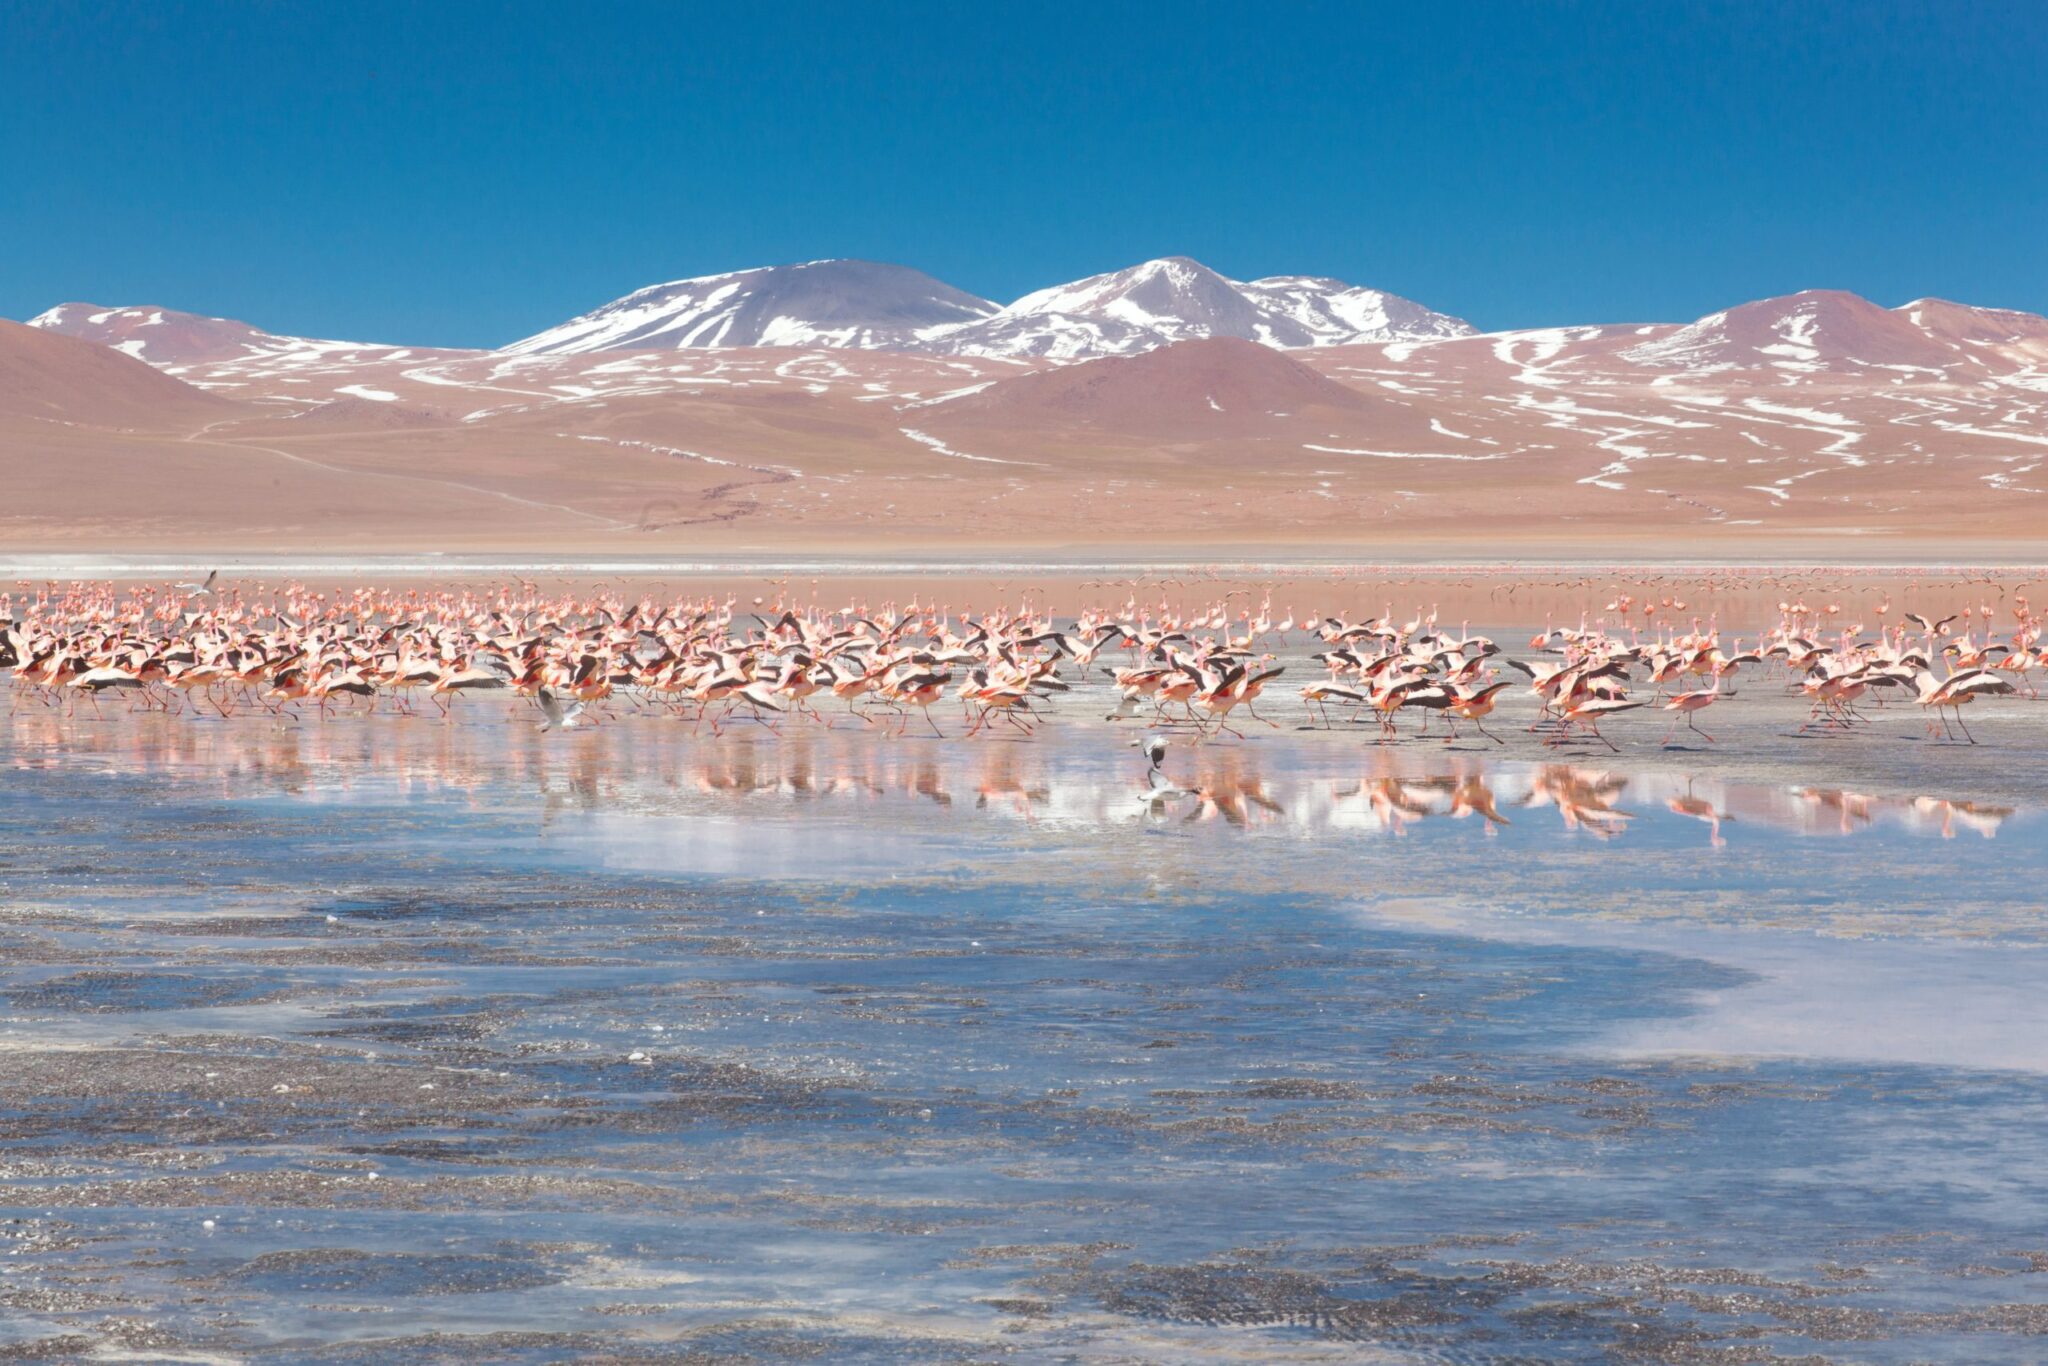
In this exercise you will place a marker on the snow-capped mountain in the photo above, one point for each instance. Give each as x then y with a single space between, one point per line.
860 304
1308 310
1176 299
869 306
1115 314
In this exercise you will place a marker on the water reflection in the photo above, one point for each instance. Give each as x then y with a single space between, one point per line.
1287 784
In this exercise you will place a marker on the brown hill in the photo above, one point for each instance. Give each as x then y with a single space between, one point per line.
1212 387
161 336
1813 330
2004 330
351 413
61 379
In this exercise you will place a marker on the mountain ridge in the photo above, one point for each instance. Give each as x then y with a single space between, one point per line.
869 306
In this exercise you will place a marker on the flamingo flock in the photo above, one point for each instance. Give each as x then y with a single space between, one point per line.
196 648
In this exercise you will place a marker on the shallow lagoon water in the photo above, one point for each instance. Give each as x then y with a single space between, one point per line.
472 1042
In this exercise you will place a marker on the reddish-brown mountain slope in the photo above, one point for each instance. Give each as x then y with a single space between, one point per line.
62 379
1813 330
1213 387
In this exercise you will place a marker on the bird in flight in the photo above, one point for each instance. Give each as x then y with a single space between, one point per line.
560 716
1931 627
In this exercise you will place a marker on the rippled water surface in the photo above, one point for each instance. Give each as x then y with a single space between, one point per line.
410 1040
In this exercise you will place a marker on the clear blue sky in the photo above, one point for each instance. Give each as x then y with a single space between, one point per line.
464 174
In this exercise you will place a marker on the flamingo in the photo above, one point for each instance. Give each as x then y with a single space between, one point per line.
1687 705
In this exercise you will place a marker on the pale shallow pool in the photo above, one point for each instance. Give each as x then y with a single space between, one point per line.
410 1039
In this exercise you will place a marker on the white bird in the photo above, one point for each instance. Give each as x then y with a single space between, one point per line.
1159 789
200 590
1159 792
559 717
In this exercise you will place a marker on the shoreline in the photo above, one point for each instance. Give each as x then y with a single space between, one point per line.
108 566
1741 600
